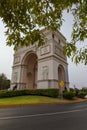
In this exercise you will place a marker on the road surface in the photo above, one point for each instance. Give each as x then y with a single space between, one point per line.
45 117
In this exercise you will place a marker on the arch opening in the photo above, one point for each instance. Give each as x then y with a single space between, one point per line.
61 73
30 71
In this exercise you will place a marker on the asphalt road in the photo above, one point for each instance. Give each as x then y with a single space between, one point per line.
45 117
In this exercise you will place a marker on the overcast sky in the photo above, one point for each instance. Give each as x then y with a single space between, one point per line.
77 74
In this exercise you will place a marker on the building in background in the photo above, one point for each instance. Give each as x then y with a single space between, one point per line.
41 67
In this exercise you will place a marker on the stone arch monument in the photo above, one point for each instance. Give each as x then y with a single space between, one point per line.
41 67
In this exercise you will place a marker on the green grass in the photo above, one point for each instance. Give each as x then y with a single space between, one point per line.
28 99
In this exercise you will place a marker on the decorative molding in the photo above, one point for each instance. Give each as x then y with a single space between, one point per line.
51 80
53 57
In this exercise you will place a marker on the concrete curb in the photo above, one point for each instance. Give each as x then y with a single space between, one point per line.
45 103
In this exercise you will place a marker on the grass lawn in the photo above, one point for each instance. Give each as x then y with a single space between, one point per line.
28 99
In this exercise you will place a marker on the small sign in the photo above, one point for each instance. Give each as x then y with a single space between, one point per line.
61 83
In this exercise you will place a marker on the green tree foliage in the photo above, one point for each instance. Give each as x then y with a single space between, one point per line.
24 18
4 82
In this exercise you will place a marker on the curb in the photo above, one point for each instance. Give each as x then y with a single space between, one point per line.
45 103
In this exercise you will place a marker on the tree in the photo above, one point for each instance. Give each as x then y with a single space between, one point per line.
4 82
24 18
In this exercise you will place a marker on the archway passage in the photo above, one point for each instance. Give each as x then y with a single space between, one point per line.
61 79
61 73
30 61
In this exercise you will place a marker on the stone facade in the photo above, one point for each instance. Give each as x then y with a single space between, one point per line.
41 67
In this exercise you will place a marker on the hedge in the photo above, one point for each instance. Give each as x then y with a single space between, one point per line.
82 94
39 92
69 95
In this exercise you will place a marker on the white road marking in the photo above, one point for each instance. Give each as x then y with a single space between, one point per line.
44 114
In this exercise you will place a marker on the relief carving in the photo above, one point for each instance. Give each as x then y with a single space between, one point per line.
59 52
14 78
45 72
45 50
17 60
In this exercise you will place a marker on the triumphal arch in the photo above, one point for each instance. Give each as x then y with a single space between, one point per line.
41 67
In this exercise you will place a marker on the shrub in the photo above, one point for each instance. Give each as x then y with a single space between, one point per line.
69 95
40 92
81 94
72 89
77 91
84 89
